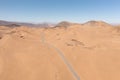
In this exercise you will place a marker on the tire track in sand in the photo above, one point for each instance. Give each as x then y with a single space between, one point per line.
61 54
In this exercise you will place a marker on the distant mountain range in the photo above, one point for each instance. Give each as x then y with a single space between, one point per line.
61 24
66 24
18 24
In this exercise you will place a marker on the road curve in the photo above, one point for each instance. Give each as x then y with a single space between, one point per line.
60 53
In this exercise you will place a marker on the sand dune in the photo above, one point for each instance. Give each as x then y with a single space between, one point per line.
33 53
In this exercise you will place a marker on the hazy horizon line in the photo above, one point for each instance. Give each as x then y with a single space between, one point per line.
33 22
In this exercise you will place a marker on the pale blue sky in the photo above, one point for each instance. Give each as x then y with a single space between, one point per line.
60 10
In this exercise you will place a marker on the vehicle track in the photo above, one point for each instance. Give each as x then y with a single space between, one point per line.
61 54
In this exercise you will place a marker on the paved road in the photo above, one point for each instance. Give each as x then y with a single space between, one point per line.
61 54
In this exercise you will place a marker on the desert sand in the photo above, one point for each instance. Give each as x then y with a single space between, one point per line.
89 51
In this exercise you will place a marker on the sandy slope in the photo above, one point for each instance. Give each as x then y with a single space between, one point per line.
93 52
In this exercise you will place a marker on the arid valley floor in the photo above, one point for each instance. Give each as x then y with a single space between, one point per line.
89 51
